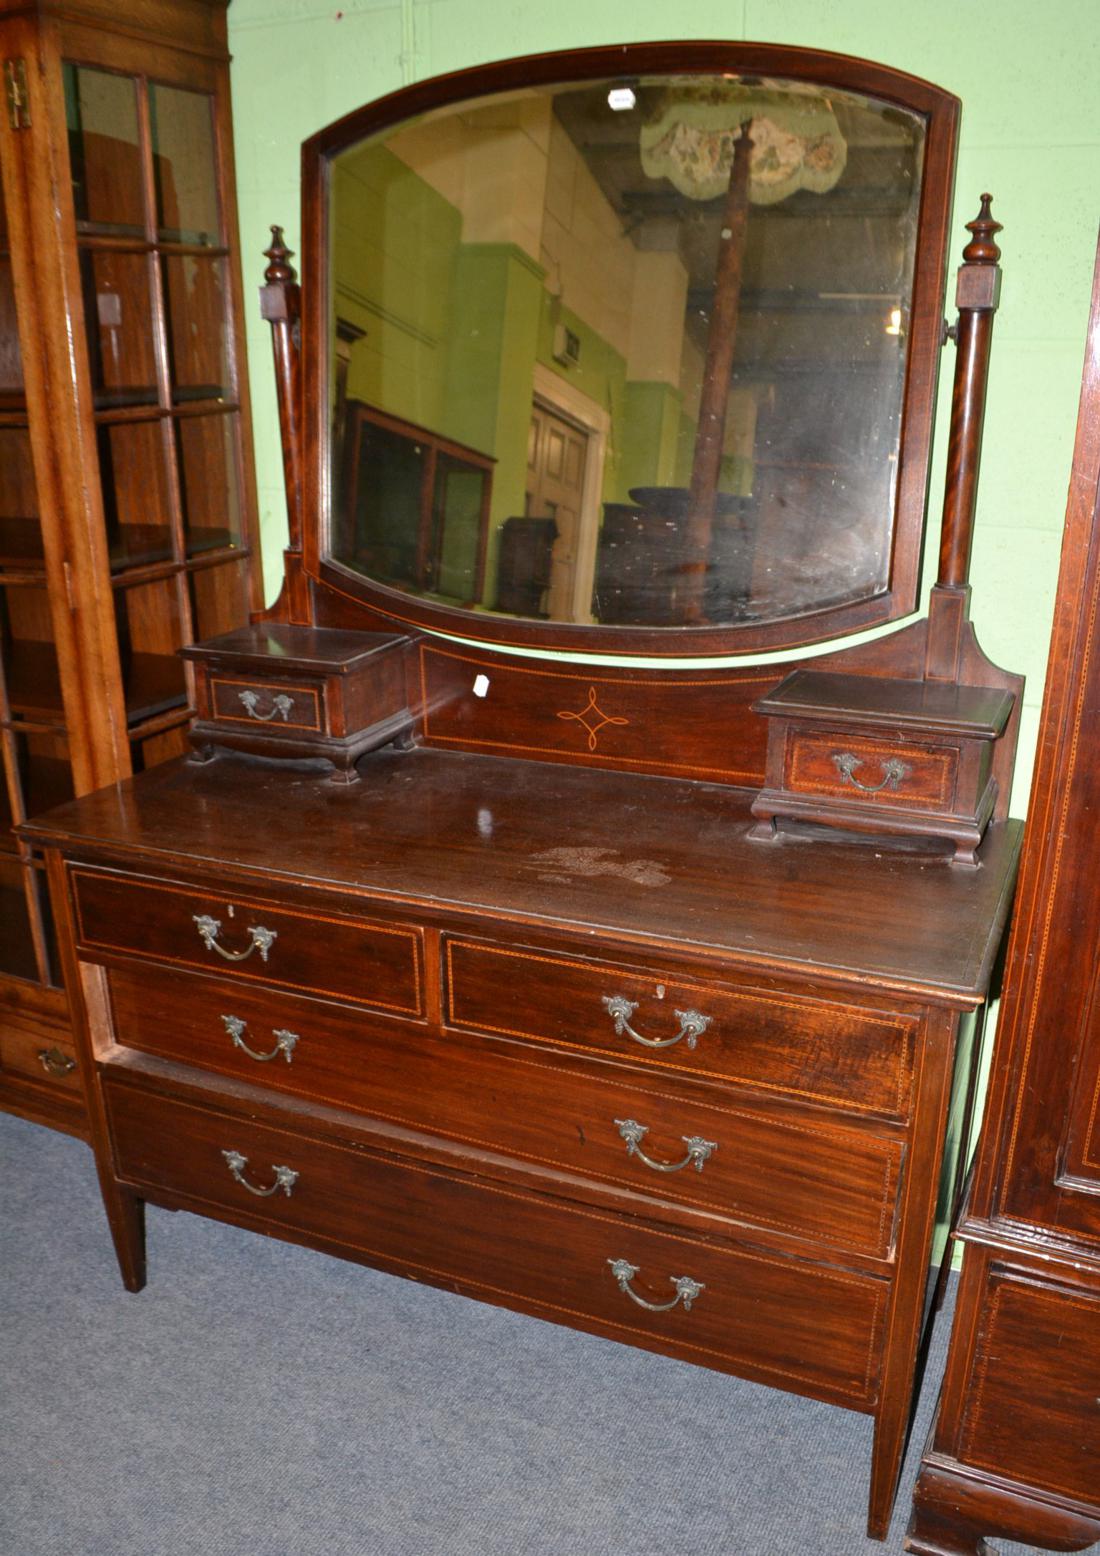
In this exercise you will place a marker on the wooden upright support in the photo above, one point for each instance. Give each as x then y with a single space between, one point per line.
977 295
280 305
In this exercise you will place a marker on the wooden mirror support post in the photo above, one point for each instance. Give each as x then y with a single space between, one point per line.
977 295
280 305
903 755
286 688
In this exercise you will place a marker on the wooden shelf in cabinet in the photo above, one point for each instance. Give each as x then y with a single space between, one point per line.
46 781
21 546
16 948
152 683
34 683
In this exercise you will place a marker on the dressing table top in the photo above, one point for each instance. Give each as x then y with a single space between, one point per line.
528 841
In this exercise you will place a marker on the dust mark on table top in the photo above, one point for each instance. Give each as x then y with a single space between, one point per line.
559 864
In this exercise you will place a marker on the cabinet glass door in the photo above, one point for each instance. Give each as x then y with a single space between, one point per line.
157 305
34 752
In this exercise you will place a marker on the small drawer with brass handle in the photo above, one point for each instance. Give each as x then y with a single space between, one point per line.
38 1057
178 925
288 691
296 707
882 755
856 1056
872 770
516 1243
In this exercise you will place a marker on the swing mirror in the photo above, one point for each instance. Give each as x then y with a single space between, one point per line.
631 349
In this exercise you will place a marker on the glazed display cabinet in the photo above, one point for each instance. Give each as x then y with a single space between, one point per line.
126 490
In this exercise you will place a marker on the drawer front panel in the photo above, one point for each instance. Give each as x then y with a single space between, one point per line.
284 707
880 772
40 1058
836 1187
843 1055
794 1325
372 964
1034 1397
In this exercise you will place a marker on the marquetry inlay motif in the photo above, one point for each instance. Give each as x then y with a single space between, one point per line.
593 718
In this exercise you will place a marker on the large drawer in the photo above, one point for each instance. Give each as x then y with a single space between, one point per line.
379 965
842 1054
795 1325
797 1175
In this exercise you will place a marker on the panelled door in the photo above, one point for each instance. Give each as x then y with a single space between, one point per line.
556 455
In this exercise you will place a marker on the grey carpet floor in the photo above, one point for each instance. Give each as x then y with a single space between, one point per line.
260 1400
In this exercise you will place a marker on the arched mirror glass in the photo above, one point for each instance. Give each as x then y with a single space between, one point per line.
626 352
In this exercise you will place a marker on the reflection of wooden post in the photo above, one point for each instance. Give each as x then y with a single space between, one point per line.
280 305
714 397
977 296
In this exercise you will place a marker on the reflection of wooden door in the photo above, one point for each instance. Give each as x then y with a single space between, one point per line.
556 452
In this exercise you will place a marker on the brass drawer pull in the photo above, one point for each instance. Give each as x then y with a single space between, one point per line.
692 1024
209 929
284 1040
54 1062
686 1289
285 1177
698 1149
893 771
281 705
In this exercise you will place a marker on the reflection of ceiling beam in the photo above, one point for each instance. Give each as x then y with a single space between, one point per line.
796 300
645 204
767 370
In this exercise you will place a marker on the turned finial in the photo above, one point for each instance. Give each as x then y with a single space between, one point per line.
982 248
280 271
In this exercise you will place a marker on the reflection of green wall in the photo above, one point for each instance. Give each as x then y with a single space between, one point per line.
650 434
451 328
397 240
498 292
453 345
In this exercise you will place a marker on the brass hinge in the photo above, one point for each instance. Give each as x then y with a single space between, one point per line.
15 90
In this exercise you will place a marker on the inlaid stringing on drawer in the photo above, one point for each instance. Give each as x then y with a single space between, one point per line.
283 705
799 1176
880 772
796 1324
845 1055
378 965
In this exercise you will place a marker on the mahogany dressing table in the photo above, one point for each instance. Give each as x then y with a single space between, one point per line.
507 972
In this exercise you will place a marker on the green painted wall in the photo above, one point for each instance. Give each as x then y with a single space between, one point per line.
397 240
1030 133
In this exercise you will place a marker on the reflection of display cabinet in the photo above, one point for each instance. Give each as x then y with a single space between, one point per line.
429 521
126 489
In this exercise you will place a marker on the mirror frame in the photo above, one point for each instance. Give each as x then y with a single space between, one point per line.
940 112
